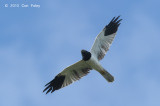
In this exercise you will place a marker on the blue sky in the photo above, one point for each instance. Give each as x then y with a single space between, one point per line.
38 43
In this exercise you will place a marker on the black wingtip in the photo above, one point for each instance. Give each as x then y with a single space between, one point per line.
48 83
112 26
113 18
45 89
55 84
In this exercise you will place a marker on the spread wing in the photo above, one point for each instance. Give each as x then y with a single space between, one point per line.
105 38
67 76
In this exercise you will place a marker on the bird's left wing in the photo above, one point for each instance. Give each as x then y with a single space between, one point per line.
67 76
105 38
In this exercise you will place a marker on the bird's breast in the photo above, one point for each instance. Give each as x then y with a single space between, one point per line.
94 63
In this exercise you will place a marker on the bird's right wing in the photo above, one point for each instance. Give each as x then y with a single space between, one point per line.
67 76
105 38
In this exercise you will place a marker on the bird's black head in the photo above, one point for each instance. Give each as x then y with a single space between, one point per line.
85 55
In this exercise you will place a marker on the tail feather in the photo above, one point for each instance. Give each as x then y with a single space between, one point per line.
107 75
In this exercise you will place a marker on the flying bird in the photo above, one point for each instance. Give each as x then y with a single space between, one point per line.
90 60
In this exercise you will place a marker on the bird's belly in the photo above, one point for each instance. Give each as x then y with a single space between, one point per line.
94 64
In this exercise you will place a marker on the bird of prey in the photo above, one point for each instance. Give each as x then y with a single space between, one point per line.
90 60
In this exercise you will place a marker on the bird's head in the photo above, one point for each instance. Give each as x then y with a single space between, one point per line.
85 55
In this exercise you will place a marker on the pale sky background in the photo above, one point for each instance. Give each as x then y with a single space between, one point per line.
38 43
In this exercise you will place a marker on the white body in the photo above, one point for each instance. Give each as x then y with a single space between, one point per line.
94 63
